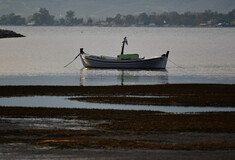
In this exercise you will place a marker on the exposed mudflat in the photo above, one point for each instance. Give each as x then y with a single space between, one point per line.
116 129
52 133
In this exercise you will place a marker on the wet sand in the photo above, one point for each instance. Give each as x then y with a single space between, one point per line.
52 133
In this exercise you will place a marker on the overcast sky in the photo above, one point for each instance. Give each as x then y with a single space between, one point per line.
104 8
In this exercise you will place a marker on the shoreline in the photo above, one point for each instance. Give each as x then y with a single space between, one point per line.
147 90
202 95
9 34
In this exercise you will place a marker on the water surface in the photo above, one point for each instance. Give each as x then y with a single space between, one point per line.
197 55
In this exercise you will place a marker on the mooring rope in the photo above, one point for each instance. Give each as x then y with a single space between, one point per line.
176 64
72 60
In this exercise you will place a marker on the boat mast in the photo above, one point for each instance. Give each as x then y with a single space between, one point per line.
123 44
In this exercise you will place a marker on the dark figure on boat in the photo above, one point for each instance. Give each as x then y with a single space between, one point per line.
81 51
123 44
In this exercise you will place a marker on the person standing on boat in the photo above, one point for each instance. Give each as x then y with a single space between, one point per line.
123 44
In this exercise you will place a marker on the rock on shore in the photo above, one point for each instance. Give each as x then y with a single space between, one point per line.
9 34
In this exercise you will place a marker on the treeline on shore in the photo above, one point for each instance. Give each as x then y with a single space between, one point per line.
44 18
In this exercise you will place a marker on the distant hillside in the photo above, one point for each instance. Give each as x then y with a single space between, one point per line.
104 8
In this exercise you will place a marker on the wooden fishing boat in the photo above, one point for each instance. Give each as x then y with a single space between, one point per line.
123 61
91 61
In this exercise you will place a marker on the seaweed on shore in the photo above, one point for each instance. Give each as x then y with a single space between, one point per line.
124 129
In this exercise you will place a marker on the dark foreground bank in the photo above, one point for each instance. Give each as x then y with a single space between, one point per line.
9 34
23 151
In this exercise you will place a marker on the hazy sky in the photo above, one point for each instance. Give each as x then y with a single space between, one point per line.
104 8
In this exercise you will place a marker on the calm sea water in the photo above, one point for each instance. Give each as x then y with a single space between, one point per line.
197 55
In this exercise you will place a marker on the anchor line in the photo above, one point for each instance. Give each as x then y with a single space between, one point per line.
176 64
72 60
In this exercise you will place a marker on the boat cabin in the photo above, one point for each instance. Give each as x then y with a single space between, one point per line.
127 56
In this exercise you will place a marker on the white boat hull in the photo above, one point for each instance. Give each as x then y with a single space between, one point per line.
90 61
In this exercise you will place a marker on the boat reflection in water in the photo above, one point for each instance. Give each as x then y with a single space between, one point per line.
92 77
